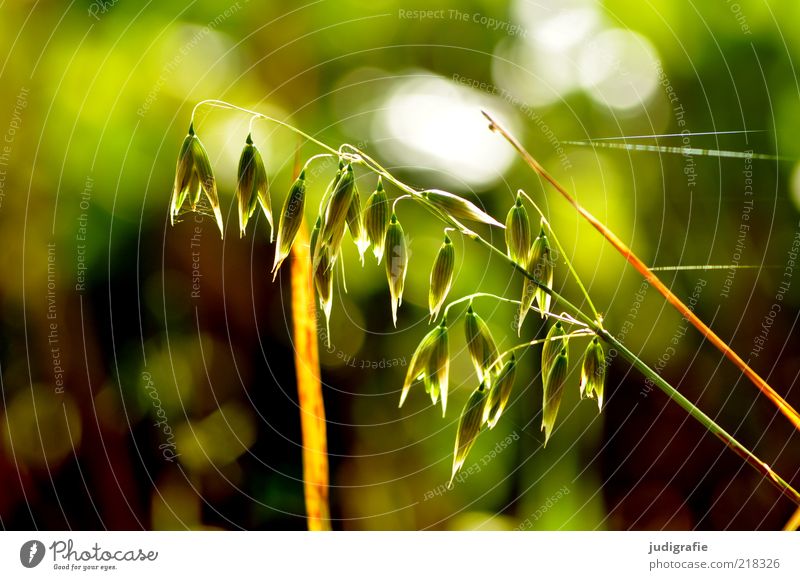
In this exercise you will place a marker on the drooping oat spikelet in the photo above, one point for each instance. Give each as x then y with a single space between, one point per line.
193 175
396 263
441 277
312 240
246 177
290 220
525 303
417 368
184 173
206 177
553 392
552 346
518 233
593 372
469 426
195 191
355 223
458 207
336 215
540 265
323 202
251 185
262 190
438 367
481 346
376 219
501 392
323 282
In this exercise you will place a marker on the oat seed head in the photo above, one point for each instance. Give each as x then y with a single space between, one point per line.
553 346
376 219
469 427
355 224
251 178
289 222
458 207
500 393
441 277
593 372
417 368
195 191
193 176
262 191
481 346
206 177
526 301
540 266
323 282
396 263
184 173
438 368
335 220
552 393
518 233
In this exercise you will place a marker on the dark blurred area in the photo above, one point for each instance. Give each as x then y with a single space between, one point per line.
147 370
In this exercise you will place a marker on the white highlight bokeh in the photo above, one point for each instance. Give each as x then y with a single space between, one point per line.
570 47
436 123
617 68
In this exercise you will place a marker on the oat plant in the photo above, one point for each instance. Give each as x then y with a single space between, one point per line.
576 336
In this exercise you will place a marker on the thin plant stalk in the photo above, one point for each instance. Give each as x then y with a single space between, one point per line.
575 334
567 319
794 522
309 384
652 278
309 388
704 419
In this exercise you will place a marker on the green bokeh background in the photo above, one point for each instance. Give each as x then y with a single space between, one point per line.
95 100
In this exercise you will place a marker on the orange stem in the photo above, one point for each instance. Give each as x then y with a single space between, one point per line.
654 280
309 387
793 523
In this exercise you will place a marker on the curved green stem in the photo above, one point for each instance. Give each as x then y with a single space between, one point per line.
394 203
225 105
315 157
378 168
477 295
577 333
331 185
563 318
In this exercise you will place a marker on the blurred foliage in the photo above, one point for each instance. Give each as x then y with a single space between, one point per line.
96 99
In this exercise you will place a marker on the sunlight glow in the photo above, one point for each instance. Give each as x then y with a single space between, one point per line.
436 123
618 68
542 68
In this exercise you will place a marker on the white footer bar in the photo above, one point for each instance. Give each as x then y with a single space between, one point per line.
388 555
